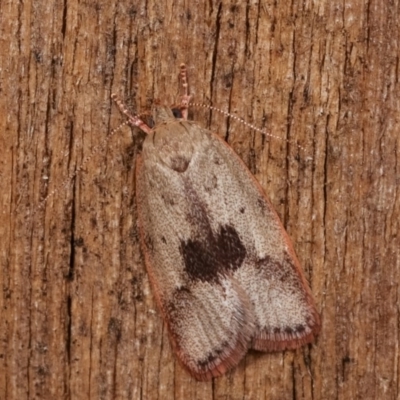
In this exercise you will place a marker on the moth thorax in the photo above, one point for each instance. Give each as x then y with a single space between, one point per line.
173 145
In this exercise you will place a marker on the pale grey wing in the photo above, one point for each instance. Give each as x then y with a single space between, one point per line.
209 317
269 271
213 242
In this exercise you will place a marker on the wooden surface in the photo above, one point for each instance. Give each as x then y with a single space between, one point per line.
78 320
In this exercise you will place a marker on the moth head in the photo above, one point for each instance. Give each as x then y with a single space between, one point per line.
162 114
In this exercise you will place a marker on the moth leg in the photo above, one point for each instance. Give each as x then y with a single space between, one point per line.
185 96
134 120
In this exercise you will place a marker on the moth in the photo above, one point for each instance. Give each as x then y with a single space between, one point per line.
222 268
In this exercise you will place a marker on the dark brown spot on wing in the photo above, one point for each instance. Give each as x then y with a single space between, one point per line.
283 271
288 330
209 254
215 255
211 184
149 242
230 248
212 356
261 204
168 199
179 163
299 328
217 160
181 295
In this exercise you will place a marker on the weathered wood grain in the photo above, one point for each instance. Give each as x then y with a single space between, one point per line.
78 320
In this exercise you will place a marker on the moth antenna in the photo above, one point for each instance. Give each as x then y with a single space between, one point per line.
100 147
133 120
185 96
242 121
